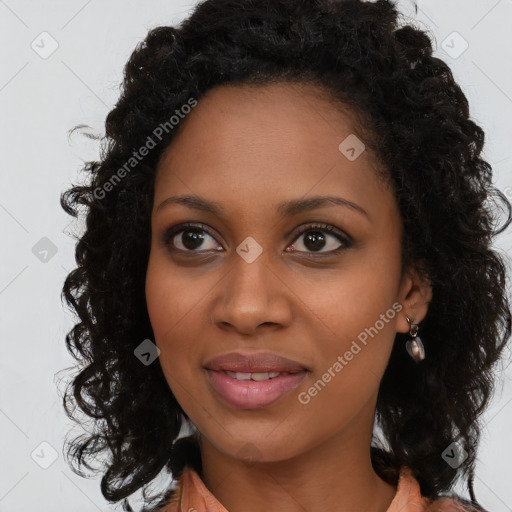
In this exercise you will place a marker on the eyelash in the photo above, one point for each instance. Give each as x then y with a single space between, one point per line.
346 241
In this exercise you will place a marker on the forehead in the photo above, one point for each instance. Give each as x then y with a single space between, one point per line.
273 142
231 117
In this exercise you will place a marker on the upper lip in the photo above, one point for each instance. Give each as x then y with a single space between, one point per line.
252 363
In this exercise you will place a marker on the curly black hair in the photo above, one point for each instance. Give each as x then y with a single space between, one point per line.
416 121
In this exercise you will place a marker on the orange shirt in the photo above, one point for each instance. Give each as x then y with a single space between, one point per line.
191 495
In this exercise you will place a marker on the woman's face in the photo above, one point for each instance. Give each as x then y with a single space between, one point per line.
257 277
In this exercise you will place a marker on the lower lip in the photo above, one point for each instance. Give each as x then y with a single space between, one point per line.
252 394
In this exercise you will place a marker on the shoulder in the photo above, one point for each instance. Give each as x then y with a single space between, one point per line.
409 498
452 504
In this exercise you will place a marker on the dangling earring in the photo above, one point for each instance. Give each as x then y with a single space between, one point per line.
414 345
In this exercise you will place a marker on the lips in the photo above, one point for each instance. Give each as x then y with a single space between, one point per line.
267 362
251 381
251 394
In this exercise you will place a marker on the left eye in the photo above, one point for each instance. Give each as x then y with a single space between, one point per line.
315 239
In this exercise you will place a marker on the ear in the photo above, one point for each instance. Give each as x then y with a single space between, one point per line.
414 296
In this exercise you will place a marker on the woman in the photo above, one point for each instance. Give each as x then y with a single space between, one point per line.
288 244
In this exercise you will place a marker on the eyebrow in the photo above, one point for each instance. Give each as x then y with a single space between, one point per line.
287 208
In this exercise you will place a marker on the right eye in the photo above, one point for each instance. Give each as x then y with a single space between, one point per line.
190 237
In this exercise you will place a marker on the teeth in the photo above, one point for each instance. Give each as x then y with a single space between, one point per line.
260 376
241 376
253 376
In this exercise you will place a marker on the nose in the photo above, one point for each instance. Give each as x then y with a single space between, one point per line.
251 295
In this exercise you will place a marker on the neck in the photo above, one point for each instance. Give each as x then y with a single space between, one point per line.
335 476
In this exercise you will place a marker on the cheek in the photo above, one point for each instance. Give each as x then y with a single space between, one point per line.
353 315
344 302
170 304
171 296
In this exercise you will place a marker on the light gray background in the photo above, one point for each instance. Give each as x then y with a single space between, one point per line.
42 98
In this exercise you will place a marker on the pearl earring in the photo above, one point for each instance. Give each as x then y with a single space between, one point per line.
414 345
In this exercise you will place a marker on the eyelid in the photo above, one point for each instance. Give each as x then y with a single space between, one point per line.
298 231
320 226
178 228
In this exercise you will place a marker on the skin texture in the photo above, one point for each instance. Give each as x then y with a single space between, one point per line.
250 149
